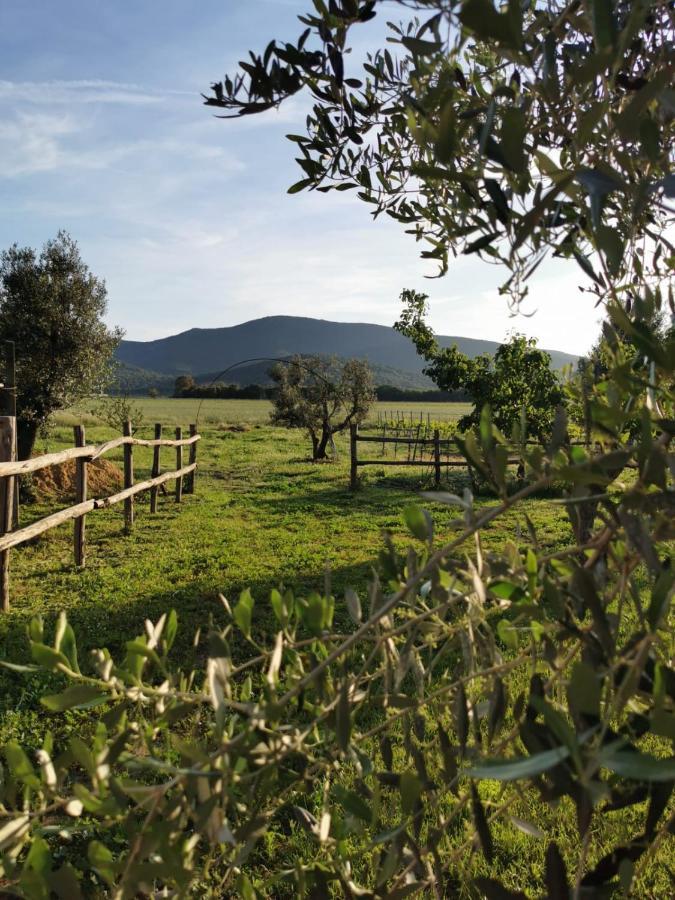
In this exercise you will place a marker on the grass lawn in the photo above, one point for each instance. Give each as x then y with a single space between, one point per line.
262 516
212 413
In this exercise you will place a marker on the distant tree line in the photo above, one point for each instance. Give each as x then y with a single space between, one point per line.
186 386
387 392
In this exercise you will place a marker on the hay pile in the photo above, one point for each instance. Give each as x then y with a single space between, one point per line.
58 482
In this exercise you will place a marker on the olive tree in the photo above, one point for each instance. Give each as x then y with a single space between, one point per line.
322 397
52 307
517 383
512 133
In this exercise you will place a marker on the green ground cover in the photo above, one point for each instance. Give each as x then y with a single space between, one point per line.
212 413
262 516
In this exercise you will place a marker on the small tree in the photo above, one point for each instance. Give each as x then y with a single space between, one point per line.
517 381
182 384
52 307
117 409
322 398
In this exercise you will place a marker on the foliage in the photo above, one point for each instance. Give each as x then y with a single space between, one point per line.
321 398
118 409
389 749
387 393
52 307
220 390
511 133
469 685
615 349
183 383
517 383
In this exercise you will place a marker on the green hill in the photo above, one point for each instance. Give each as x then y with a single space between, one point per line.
390 354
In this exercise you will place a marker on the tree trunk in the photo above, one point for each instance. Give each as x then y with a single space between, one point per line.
320 446
26 435
582 518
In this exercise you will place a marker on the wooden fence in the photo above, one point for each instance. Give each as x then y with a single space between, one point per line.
436 448
83 453
441 453
398 418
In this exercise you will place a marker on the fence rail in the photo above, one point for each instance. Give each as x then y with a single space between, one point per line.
439 447
83 454
439 459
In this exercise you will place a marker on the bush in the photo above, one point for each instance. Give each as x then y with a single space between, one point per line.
370 758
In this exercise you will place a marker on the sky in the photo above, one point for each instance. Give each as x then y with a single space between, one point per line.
186 217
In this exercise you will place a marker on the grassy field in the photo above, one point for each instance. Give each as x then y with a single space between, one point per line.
262 516
214 413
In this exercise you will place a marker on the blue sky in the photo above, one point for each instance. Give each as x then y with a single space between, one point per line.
102 132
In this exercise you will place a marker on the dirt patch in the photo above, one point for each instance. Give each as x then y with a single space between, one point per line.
103 477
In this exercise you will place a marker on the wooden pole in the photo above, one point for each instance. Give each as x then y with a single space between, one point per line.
179 464
353 471
7 485
437 458
190 480
128 479
79 534
10 410
154 492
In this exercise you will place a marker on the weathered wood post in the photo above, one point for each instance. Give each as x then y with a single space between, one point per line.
156 450
384 438
7 487
179 464
437 458
190 485
10 410
79 534
128 478
353 458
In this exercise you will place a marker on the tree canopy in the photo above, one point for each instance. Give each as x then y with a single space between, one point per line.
52 307
512 132
517 383
313 394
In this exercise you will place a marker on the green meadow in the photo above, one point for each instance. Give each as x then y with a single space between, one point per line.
262 516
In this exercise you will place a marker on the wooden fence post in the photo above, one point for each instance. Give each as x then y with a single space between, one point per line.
128 478
7 487
353 471
179 464
79 535
190 481
154 491
10 410
437 458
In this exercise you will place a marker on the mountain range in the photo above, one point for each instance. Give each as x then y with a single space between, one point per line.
392 356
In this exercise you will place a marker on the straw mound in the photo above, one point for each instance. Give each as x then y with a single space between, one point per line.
103 477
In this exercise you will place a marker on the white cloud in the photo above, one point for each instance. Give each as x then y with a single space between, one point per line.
31 143
83 91
36 142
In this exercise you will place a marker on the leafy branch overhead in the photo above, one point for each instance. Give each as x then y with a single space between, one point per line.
511 133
